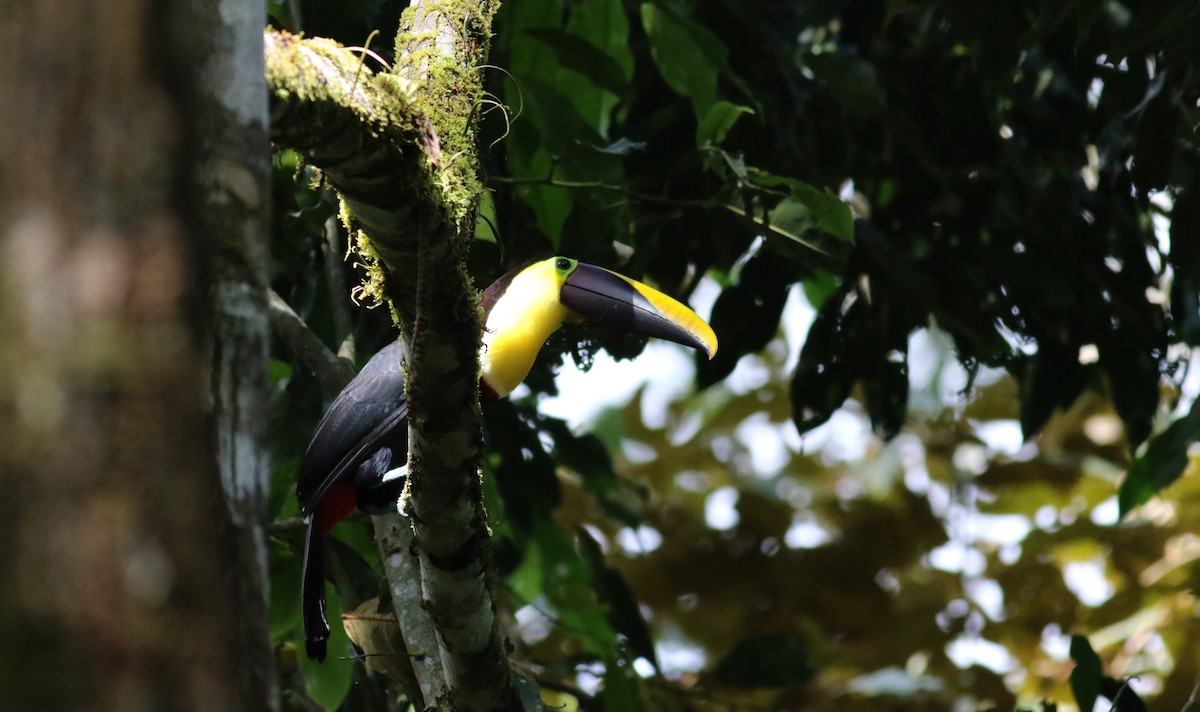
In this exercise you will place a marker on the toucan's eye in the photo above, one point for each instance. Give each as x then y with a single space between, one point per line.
563 264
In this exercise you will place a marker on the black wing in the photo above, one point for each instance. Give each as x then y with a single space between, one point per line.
370 412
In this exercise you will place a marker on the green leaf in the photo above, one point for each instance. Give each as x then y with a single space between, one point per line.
623 611
1162 463
824 374
279 371
589 457
681 60
563 126
885 385
581 56
622 688
720 117
526 580
736 163
567 584
605 24
1085 678
329 682
746 315
485 218
282 498
765 661
819 286
832 215
806 206
284 610
1053 378
361 539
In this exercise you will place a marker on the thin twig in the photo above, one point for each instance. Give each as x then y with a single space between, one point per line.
767 225
829 257
335 279
301 700
560 686
297 21
332 372
598 185
281 526
1193 700
285 525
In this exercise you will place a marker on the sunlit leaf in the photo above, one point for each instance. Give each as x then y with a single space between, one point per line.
808 207
577 53
279 371
717 121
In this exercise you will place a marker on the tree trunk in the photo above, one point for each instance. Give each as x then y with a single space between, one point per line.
111 595
231 205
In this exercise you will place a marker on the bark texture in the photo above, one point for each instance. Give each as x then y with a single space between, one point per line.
110 590
400 149
230 189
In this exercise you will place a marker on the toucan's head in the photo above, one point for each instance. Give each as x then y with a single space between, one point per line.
541 297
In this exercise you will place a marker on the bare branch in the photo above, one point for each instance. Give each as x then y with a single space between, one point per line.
828 254
1193 700
332 372
395 538
335 279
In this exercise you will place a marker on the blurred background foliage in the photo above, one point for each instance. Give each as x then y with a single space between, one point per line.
950 252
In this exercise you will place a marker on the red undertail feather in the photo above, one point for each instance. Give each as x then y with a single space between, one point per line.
336 505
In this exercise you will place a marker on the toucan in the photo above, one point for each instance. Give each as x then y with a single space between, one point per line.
364 434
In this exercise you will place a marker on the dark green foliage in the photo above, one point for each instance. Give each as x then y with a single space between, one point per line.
746 315
979 217
765 661
823 377
623 613
1088 681
525 472
1162 463
906 165
1085 678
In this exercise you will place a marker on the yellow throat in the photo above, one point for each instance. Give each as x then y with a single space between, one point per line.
519 323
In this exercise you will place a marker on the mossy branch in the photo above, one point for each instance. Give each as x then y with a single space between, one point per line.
366 134
400 149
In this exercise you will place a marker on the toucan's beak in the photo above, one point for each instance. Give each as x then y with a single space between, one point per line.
604 298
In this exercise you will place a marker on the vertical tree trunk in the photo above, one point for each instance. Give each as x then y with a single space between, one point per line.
232 202
111 596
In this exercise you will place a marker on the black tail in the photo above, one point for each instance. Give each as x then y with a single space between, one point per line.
312 593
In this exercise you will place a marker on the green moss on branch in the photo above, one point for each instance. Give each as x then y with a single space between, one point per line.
370 140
